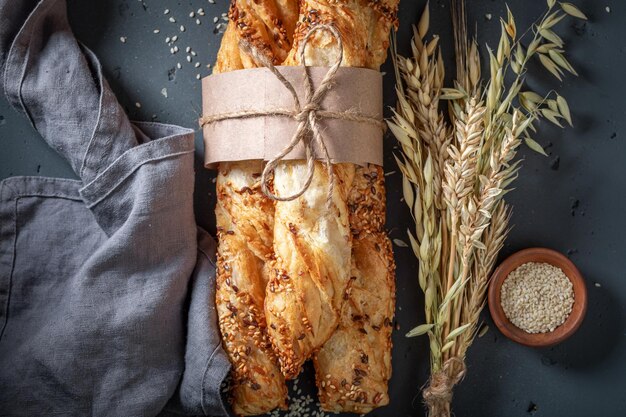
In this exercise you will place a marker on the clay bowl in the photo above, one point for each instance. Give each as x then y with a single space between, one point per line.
562 332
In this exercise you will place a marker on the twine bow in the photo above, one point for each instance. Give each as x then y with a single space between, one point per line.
438 394
307 115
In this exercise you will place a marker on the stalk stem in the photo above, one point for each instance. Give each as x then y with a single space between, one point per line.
450 281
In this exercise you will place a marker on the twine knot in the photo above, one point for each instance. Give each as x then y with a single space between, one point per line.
438 394
308 108
307 115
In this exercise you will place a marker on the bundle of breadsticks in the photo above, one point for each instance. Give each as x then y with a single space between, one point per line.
303 279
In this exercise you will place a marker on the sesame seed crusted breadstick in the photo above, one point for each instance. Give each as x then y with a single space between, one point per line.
356 360
245 220
318 251
312 246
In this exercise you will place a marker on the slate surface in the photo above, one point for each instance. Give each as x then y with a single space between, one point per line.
572 201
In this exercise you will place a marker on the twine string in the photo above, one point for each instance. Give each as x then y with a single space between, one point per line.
308 116
438 394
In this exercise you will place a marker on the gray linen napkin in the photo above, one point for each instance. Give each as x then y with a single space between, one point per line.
106 284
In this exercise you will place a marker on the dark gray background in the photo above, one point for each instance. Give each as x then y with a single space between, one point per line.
575 205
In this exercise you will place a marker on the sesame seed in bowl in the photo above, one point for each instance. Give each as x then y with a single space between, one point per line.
537 297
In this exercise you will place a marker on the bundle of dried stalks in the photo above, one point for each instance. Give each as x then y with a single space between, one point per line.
457 170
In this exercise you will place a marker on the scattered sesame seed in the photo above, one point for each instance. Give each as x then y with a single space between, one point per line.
179 65
197 76
166 11
172 51
608 9
192 14
123 39
164 92
172 20
188 49
598 285
174 38
168 39
215 19
156 31
201 11
197 65
138 105
193 53
400 243
212 1
176 49
488 16
198 22
182 28
188 58
208 65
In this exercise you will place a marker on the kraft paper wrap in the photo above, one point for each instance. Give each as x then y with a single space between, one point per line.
263 137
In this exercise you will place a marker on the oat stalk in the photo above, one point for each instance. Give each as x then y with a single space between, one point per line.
457 170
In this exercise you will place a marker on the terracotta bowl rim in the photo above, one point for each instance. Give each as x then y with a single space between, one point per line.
552 257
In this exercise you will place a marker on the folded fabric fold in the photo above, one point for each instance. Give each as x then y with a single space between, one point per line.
208 367
144 179
58 84
105 283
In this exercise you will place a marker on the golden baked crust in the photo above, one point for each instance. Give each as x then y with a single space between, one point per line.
268 25
228 56
312 242
354 365
245 220
244 230
312 266
304 301
363 24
